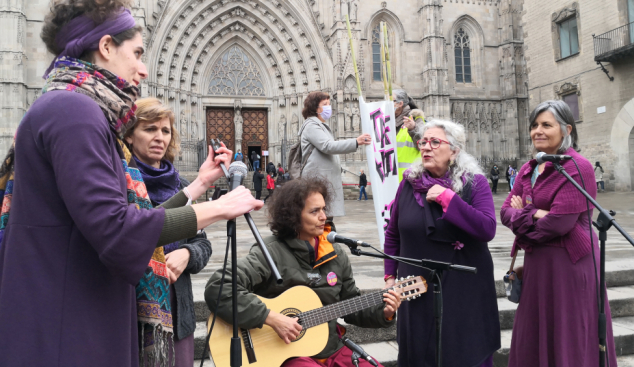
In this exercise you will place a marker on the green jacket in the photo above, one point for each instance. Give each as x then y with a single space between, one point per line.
295 260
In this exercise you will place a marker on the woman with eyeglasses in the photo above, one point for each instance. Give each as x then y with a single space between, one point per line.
444 211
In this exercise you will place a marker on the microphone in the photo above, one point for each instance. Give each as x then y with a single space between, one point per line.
237 172
334 237
358 350
555 158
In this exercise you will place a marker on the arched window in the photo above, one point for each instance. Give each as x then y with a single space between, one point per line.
234 74
376 53
463 57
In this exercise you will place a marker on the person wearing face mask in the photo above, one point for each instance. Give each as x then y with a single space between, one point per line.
322 150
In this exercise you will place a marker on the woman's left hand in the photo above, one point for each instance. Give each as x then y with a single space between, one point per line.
434 192
516 202
392 303
177 261
409 123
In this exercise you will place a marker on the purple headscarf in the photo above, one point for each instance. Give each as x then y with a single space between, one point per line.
82 34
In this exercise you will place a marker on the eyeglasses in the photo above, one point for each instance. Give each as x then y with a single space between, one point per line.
434 143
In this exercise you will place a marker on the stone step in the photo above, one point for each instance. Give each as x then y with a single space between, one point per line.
621 305
623 328
386 353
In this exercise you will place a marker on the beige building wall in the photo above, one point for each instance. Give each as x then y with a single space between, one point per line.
298 46
604 136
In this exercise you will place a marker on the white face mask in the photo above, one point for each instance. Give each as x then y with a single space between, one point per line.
326 112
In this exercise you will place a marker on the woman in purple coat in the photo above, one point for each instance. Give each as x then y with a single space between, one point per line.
444 211
83 280
556 323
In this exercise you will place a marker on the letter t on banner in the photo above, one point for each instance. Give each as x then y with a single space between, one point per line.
377 119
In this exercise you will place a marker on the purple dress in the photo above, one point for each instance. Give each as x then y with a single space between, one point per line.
74 248
556 320
471 324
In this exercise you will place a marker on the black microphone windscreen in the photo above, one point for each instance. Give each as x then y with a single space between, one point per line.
539 156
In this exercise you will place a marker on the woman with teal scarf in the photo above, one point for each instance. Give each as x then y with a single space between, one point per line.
153 141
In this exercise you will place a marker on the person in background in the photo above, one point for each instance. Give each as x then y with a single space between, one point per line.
598 176
153 143
405 123
255 160
280 174
508 176
238 156
512 176
324 158
495 177
82 232
297 219
270 168
363 182
270 185
444 211
257 183
556 322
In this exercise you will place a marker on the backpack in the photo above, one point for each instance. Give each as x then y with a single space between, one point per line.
297 162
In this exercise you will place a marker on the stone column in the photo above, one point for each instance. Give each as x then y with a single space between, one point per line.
13 87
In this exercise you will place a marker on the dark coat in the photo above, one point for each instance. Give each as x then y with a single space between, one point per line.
199 253
495 172
74 249
363 181
257 180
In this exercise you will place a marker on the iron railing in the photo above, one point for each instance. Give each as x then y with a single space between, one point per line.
613 44
191 156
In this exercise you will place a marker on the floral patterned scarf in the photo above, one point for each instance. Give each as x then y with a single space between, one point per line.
116 98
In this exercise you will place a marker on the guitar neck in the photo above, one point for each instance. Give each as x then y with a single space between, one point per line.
333 311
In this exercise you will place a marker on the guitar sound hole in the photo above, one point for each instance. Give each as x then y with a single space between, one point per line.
293 312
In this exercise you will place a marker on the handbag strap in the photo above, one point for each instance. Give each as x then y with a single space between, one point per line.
513 262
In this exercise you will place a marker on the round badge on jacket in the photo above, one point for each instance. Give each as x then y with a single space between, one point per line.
332 279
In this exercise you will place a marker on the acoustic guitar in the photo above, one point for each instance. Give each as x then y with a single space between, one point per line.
264 348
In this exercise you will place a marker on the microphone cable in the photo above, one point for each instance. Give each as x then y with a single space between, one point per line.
213 321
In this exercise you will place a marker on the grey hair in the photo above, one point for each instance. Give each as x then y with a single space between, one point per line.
563 115
401 96
465 164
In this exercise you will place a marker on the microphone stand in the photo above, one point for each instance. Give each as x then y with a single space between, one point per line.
437 268
603 223
236 347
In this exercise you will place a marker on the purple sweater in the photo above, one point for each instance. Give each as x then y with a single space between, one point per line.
566 224
477 220
74 249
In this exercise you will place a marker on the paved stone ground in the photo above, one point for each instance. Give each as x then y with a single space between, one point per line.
360 223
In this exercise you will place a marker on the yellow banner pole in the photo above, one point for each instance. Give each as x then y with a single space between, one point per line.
387 59
383 66
354 59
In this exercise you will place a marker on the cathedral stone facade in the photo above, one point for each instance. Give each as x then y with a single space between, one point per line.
240 69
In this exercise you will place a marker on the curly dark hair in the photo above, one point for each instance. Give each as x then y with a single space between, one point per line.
63 11
311 103
286 205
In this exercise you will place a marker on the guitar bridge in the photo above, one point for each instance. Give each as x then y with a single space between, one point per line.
248 345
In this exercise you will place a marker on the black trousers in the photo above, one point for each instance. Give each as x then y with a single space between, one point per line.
258 194
495 186
269 195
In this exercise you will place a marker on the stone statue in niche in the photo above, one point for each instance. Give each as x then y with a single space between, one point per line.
183 130
347 117
281 128
345 9
294 126
194 127
356 118
354 8
238 121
